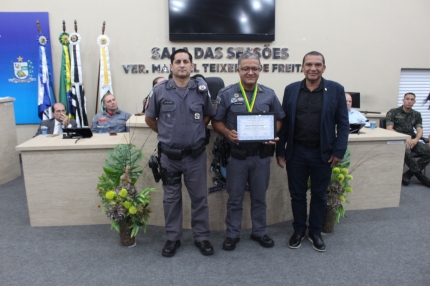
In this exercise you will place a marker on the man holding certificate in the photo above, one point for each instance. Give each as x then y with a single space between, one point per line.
248 115
316 131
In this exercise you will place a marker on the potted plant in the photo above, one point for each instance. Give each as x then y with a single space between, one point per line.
127 207
337 192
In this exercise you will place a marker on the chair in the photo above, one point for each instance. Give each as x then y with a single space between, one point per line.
215 84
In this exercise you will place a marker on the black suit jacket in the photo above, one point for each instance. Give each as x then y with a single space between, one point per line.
334 115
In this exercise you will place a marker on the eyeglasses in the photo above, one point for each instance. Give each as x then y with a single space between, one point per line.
247 69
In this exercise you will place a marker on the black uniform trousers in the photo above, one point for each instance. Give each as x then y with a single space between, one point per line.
305 163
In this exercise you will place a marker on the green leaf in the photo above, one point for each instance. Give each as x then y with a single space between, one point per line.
346 161
134 231
115 225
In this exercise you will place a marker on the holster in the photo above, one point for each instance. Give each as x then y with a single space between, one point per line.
154 164
168 178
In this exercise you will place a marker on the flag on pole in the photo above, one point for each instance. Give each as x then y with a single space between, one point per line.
65 80
44 82
105 81
78 99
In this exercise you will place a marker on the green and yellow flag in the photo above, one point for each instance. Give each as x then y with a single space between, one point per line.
65 82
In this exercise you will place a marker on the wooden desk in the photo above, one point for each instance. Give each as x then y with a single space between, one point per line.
377 165
9 167
61 178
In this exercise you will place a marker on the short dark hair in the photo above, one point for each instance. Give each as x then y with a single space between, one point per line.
53 108
314 53
154 82
172 57
410 93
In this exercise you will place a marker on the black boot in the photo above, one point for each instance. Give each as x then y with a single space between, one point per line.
406 178
423 179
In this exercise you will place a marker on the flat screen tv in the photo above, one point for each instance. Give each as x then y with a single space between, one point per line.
222 20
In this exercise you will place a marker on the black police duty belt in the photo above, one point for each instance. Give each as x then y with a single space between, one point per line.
178 154
241 154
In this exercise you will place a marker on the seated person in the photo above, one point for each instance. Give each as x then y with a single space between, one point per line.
403 120
58 122
154 82
112 119
355 116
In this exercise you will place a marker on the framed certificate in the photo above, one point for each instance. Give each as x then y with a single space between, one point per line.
256 127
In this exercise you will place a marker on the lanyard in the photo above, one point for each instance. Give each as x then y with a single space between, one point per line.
254 96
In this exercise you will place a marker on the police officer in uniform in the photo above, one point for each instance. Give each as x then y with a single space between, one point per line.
179 111
249 163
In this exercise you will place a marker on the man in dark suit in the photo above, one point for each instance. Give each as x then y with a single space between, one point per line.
315 129
61 120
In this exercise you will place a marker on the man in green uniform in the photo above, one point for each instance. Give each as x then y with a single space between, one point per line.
403 120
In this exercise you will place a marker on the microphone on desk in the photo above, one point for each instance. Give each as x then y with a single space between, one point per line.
375 112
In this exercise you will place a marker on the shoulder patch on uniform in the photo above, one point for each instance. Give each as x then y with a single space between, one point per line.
226 88
262 87
202 86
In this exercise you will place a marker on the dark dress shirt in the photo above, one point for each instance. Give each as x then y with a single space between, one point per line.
308 114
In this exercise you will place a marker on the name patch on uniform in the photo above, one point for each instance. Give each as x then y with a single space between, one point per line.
167 102
238 103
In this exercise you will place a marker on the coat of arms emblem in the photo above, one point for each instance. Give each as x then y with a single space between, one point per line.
22 71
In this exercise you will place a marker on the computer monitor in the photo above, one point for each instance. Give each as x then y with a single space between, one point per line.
71 133
355 99
354 128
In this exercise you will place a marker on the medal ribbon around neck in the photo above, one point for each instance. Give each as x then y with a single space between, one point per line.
254 96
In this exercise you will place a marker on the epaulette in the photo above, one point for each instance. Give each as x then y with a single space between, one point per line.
226 88
263 87
202 86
